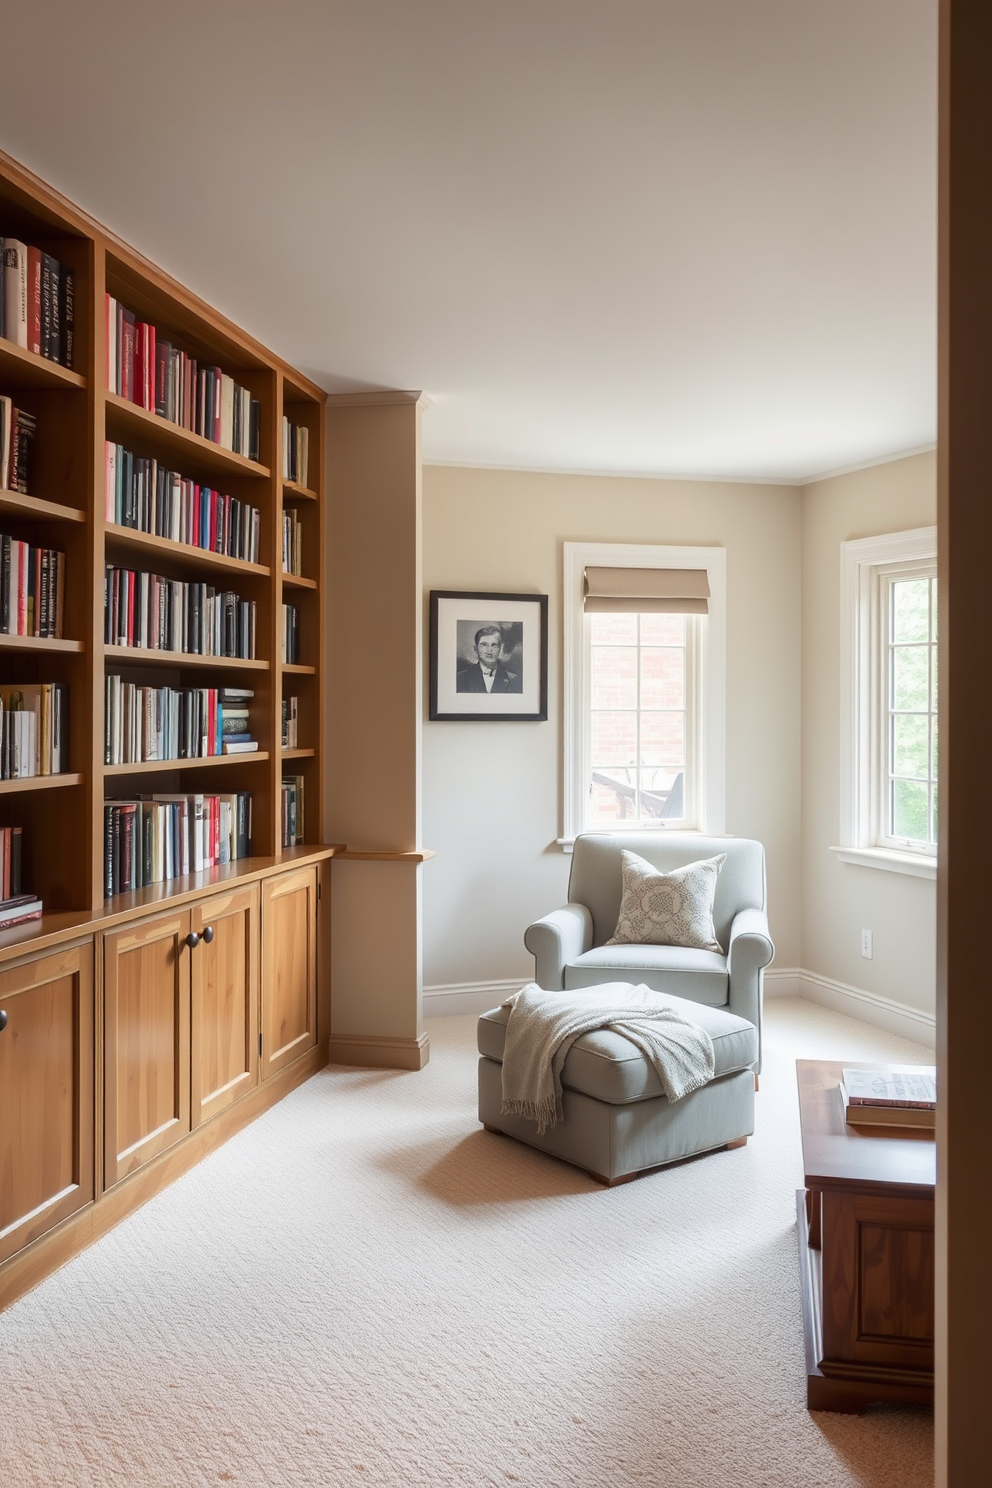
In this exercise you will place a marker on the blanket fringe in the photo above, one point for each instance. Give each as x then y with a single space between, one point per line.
546 1112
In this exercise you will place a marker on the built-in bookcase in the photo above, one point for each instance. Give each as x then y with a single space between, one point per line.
63 816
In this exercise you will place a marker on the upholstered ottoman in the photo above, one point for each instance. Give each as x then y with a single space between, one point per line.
617 1119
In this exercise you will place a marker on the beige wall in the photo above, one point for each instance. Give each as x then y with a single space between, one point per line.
839 899
492 792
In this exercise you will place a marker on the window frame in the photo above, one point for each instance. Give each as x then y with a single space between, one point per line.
705 687
867 566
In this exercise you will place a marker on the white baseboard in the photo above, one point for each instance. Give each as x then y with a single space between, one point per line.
467 997
786 981
883 1012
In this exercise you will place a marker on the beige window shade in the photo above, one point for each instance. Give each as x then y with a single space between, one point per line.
670 591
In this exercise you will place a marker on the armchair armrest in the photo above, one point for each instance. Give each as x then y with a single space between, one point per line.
748 953
555 939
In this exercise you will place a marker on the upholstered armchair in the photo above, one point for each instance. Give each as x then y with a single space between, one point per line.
569 946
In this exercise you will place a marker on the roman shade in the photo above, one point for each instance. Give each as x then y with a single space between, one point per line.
670 591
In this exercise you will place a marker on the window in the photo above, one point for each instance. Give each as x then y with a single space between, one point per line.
889 702
644 688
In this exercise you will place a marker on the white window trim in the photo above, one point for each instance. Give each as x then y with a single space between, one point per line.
859 561
711 659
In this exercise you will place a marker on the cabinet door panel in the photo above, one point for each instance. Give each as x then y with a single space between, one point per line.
224 1029
289 967
46 1094
146 1034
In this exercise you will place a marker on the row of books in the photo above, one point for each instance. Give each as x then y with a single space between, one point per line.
151 839
169 723
16 907
145 609
148 370
17 436
32 589
292 810
37 302
295 452
290 723
292 542
290 637
145 496
34 730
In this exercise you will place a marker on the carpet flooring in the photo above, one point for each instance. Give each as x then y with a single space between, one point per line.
364 1288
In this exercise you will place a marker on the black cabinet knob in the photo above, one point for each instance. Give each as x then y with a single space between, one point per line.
192 940
208 933
3 1019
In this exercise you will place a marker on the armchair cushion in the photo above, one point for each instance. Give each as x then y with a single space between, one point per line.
674 908
700 976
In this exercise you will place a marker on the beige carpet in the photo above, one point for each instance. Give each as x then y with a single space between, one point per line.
364 1288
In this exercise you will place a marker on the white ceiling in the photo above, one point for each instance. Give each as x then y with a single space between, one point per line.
672 237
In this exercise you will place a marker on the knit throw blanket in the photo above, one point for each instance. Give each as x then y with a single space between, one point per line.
543 1026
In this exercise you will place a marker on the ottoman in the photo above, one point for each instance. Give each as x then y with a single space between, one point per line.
618 1121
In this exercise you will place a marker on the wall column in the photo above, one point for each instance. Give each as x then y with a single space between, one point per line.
964 881
373 727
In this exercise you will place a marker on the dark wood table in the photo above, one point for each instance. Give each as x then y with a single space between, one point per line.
866 1252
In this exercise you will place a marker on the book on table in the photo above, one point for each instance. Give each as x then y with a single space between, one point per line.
892 1096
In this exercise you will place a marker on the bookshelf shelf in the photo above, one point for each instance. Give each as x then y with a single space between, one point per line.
37 643
298 668
21 368
290 488
18 505
297 581
151 767
127 422
40 783
130 540
291 754
140 655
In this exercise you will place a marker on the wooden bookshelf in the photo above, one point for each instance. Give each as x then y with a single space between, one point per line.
76 415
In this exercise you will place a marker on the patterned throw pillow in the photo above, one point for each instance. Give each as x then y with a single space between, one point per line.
667 908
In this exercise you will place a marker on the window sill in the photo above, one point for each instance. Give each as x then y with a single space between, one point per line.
914 864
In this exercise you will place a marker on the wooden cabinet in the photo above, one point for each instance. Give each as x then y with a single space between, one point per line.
146 1041
224 1002
46 1094
289 967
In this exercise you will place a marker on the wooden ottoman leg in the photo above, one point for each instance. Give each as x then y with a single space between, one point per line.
737 1142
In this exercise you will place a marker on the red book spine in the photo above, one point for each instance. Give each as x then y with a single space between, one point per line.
138 375
225 540
150 365
34 300
197 500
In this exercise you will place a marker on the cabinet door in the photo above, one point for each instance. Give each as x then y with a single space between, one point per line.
46 1094
289 967
224 1016
146 1041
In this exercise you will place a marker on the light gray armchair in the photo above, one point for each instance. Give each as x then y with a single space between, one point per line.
569 947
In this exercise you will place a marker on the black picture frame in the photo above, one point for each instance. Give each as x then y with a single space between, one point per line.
460 689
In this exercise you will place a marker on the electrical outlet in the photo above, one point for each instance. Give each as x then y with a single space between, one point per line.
866 944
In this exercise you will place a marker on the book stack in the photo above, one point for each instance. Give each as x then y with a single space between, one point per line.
147 610
292 810
32 589
168 723
17 436
292 542
37 302
16 908
898 1095
289 634
143 495
34 730
148 370
295 452
236 728
150 839
290 723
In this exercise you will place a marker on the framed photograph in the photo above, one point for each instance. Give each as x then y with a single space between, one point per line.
489 656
